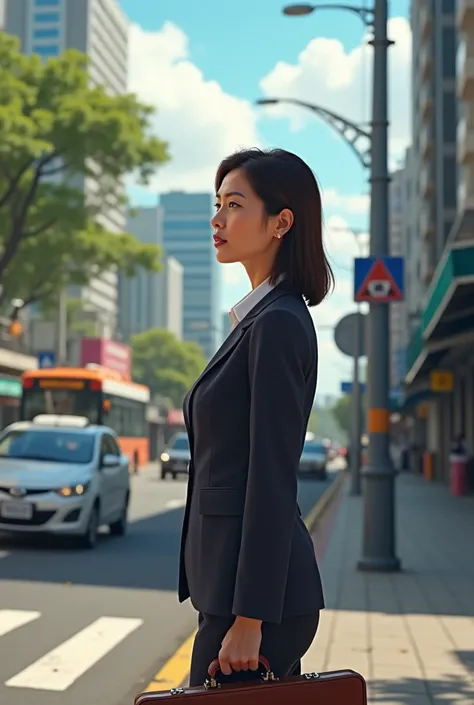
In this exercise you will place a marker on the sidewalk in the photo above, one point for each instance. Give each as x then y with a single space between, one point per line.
410 634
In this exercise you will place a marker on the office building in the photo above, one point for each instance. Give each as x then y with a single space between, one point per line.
151 299
397 315
440 373
187 236
434 124
98 28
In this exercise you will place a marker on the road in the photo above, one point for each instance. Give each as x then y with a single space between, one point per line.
92 627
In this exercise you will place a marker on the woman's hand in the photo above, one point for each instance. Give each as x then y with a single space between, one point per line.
240 647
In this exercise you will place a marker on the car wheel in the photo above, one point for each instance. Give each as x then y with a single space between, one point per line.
174 475
119 527
89 538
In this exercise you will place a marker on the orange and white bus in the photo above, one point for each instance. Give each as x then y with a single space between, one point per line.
100 394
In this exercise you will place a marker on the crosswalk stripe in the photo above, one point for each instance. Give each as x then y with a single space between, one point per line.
13 619
175 503
58 669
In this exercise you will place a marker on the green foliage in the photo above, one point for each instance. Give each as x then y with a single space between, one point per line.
57 131
342 413
165 364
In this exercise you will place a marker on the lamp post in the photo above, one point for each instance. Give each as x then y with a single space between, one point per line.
359 140
378 550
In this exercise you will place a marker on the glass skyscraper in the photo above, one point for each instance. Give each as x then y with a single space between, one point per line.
187 236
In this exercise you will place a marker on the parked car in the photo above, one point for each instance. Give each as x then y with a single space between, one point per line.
176 457
314 458
62 475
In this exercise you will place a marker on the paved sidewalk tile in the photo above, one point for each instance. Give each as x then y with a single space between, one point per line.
410 634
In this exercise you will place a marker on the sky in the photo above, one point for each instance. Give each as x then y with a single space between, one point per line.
204 64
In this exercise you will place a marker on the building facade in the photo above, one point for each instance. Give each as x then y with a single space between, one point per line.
397 311
151 299
434 124
187 236
100 29
440 361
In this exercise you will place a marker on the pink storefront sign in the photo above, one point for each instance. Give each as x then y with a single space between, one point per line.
108 353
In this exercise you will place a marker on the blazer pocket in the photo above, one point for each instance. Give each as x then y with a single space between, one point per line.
221 501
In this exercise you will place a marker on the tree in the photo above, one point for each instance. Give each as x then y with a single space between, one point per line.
57 132
168 366
342 413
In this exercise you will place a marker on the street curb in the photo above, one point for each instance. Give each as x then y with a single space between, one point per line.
325 501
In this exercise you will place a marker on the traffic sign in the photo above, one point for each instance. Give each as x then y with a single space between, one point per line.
378 279
46 359
441 381
345 334
346 387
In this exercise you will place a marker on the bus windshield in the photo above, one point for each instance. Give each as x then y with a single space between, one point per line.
81 402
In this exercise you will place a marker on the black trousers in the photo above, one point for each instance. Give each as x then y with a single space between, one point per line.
283 645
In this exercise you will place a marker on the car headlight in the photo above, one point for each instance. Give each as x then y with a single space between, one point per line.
165 457
73 490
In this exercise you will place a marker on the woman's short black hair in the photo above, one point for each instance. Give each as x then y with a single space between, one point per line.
283 180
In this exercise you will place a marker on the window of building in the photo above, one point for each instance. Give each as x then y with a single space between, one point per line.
47 50
47 17
202 225
46 3
50 33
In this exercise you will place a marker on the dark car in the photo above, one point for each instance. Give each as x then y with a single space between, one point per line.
175 459
314 458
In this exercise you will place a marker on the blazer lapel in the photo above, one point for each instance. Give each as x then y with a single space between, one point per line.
230 343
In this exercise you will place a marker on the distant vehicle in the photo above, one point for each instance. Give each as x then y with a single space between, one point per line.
61 475
176 458
314 458
100 394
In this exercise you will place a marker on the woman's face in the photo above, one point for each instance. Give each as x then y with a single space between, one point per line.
242 233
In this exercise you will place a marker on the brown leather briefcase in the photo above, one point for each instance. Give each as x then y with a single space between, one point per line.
331 688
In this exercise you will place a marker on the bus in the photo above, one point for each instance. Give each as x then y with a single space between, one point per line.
100 394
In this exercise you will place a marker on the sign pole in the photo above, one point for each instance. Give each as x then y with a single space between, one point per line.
355 459
378 551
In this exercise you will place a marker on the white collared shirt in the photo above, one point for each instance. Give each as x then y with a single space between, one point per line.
245 305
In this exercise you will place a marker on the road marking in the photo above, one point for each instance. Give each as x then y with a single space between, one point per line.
175 670
58 669
13 619
175 503
4 554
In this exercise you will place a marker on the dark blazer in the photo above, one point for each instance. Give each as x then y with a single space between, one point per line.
245 549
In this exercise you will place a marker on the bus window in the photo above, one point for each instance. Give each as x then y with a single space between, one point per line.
61 401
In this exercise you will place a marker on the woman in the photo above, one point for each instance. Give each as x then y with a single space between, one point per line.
247 559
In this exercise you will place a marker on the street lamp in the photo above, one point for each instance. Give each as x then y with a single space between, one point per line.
378 551
352 133
367 15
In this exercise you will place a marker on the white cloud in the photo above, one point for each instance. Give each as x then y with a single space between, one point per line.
345 87
357 204
200 121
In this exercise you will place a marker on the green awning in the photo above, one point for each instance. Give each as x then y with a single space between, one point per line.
451 293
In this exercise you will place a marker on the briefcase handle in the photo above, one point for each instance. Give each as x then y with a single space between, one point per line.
214 669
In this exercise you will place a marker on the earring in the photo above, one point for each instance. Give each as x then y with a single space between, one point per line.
279 236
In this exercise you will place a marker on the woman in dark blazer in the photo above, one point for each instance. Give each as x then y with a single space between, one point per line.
247 560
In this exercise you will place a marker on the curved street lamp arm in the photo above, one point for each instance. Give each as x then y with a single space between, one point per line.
365 14
349 131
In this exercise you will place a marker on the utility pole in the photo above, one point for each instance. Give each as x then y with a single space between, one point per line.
378 550
61 330
356 425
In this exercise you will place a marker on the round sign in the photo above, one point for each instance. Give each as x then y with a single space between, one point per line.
345 334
